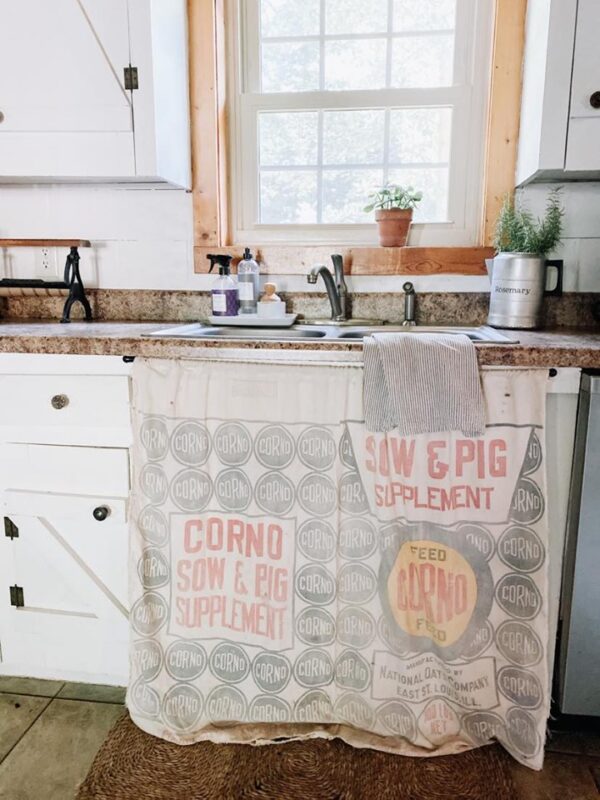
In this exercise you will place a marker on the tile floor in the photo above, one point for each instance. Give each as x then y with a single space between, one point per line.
50 732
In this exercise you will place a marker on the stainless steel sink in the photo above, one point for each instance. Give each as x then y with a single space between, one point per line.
199 331
482 334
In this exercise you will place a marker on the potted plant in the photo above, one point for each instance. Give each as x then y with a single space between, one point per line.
518 273
517 231
393 206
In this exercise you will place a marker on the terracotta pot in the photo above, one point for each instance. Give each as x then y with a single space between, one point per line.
394 224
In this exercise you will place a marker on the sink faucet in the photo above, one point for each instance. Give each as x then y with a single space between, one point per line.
409 304
337 291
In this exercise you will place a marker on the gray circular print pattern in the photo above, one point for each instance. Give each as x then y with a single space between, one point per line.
274 447
317 448
316 540
274 493
154 437
233 490
190 443
191 490
233 444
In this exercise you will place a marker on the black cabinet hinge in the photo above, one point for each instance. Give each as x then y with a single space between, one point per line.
16 596
131 78
10 529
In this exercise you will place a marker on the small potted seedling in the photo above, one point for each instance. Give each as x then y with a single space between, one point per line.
393 206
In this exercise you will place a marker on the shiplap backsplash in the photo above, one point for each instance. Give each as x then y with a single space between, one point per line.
142 238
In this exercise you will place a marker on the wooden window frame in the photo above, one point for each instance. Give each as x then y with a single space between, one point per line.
210 174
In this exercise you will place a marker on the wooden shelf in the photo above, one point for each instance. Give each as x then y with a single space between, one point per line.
45 243
297 260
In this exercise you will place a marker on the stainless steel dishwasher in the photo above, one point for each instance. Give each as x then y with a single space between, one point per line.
579 665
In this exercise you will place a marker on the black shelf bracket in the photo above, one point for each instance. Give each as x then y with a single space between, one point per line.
75 286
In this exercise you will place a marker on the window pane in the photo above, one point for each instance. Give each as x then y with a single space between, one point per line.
352 16
424 15
353 137
355 64
287 139
433 183
345 194
420 135
289 17
288 196
290 67
420 61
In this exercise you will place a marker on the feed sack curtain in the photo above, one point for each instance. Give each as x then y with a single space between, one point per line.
293 575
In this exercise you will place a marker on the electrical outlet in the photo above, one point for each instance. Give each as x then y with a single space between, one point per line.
46 263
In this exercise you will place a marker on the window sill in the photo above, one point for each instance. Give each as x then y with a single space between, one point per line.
298 259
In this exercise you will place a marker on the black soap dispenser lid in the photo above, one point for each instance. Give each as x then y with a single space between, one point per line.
247 254
222 260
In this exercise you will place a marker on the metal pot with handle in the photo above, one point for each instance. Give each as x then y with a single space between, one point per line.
518 286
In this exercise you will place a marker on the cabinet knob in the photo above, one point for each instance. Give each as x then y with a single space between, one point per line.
101 513
595 100
59 401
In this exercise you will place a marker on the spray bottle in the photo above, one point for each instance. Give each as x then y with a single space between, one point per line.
224 293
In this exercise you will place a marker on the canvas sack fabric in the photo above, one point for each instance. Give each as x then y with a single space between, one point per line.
293 575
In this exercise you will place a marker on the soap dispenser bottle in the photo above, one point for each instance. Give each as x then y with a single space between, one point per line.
248 283
224 293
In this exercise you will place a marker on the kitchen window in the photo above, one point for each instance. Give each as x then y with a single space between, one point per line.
333 98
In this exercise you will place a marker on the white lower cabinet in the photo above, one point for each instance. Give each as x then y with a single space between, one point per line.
64 539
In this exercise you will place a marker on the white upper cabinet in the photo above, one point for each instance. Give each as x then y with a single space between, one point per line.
559 135
583 140
67 111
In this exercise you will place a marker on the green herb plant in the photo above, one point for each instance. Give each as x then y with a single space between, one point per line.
517 231
394 196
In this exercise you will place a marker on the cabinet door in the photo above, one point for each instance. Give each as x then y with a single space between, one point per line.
65 111
161 105
74 619
69 505
583 152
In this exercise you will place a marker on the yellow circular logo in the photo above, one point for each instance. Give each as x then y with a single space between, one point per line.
432 591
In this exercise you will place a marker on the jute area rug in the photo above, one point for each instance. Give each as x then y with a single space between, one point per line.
132 765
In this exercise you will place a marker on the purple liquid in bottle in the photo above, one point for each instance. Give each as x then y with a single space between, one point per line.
225 302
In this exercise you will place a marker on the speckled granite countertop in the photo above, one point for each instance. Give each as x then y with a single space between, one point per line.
560 348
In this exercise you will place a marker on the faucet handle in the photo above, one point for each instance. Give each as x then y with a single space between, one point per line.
338 267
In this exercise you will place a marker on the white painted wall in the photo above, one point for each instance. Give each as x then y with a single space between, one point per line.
142 238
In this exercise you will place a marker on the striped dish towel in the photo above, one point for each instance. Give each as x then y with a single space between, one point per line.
422 383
